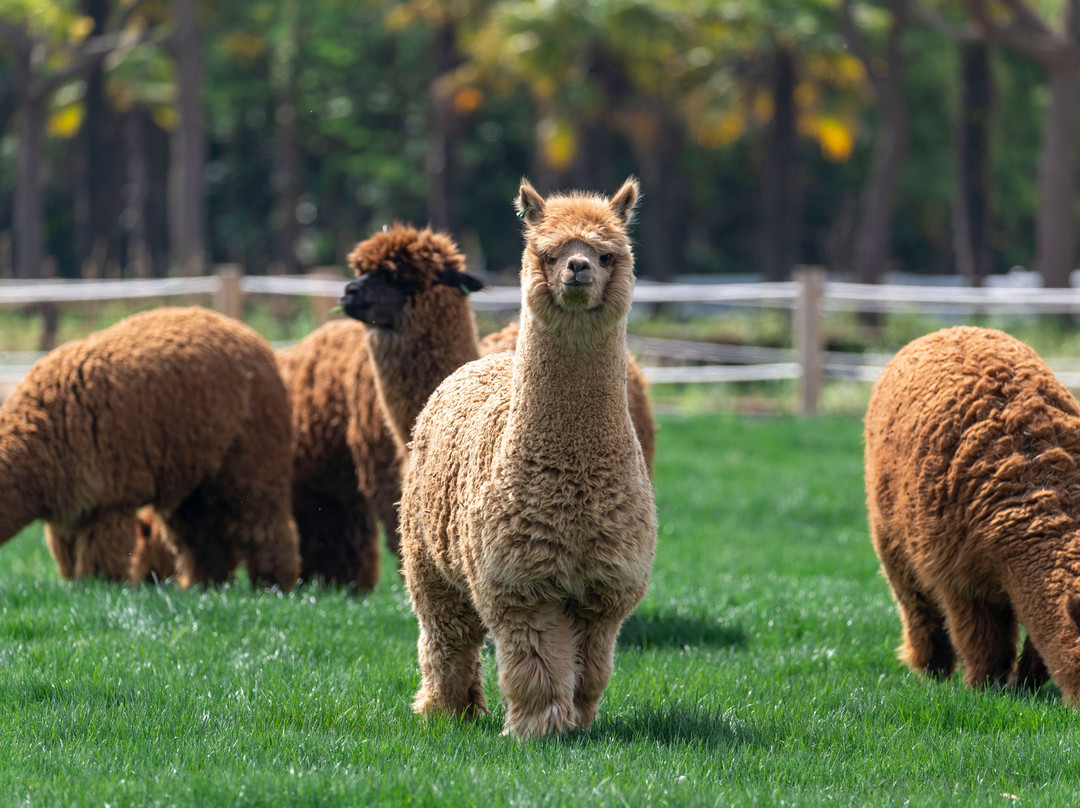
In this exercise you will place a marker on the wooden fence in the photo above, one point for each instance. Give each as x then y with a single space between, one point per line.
809 297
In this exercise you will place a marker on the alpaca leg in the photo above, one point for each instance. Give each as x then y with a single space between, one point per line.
596 626
102 546
1030 672
266 540
538 669
925 645
338 539
596 649
202 552
451 635
985 636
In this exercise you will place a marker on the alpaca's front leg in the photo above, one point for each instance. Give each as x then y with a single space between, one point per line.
537 669
597 622
451 636
596 647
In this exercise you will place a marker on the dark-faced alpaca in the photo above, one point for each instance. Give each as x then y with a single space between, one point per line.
527 510
181 409
973 492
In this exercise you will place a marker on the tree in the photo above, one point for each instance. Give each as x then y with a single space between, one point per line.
187 192
1057 52
49 46
885 73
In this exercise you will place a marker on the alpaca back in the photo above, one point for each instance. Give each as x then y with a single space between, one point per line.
143 411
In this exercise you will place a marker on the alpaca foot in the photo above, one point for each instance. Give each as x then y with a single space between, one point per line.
425 704
551 720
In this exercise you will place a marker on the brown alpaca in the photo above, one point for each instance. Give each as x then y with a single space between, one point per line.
411 291
181 409
527 510
346 469
973 490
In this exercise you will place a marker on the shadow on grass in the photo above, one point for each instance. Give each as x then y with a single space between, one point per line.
672 630
681 724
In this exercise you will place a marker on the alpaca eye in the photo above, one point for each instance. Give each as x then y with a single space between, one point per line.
548 258
605 259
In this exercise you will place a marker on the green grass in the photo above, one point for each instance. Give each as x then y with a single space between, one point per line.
759 670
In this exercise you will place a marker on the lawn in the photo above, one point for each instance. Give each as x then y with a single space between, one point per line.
759 670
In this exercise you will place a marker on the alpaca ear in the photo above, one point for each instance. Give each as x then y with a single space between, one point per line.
529 204
461 280
625 199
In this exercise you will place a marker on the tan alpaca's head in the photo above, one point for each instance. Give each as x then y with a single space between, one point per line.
402 269
577 269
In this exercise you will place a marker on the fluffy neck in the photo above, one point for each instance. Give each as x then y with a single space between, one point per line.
569 396
412 361
20 501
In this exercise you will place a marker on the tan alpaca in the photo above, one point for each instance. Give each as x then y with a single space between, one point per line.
182 409
973 490
411 292
527 510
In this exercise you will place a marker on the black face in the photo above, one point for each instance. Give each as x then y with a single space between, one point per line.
374 300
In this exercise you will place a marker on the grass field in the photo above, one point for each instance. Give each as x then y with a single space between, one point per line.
759 670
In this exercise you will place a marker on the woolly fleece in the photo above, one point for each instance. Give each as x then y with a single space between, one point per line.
973 492
346 468
182 409
527 509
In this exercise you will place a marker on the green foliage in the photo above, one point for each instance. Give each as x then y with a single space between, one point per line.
759 670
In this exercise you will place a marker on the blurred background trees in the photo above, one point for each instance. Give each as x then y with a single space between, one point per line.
149 137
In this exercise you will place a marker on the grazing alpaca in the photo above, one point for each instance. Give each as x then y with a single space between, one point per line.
182 409
346 469
410 291
527 510
973 491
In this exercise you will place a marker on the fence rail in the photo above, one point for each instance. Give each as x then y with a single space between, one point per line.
809 296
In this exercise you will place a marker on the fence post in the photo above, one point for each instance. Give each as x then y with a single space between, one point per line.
229 299
322 306
809 337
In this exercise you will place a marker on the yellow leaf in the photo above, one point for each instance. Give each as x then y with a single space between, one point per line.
836 138
65 122
80 28
165 117
245 45
558 143
467 100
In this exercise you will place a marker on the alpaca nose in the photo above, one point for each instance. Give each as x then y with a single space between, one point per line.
578 272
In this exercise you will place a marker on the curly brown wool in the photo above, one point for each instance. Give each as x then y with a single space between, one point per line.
181 409
973 492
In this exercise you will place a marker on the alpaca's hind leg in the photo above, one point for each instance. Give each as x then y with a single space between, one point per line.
451 635
985 635
538 668
925 645
202 552
338 539
1030 672
102 546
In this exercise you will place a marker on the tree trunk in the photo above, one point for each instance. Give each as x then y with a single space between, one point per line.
971 212
188 147
874 236
1055 232
781 191
29 196
93 189
140 258
441 163
660 250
